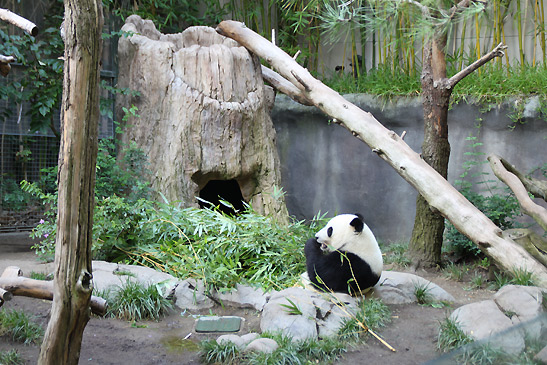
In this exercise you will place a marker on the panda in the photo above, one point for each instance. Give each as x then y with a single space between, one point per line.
344 256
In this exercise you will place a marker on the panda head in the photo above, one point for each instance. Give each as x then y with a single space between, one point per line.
340 231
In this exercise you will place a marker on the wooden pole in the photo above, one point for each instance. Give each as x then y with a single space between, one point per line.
73 284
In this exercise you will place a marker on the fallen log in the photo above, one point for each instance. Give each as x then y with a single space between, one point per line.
436 190
13 283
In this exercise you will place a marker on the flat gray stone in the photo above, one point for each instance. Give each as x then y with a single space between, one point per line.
190 294
406 284
249 337
277 318
482 320
111 276
522 304
265 345
235 339
244 296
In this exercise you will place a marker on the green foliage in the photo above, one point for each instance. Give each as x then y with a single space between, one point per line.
38 275
121 177
497 204
456 272
523 277
291 308
382 81
372 313
422 293
11 196
20 327
213 353
396 253
478 281
40 79
170 16
119 192
518 276
135 301
221 249
451 336
11 357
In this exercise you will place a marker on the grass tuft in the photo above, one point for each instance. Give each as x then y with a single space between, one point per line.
11 357
20 327
451 336
395 253
422 293
135 301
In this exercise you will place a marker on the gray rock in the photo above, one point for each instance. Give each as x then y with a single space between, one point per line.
522 304
249 337
406 285
244 296
111 276
235 339
322 314
481 320
542 356
190 294
266 345
392 295
277 318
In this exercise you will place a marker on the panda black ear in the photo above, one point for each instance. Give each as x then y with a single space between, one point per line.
357 223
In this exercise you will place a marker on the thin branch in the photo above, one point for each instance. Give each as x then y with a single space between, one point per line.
496 52
512 181
537 188
281 84
19 21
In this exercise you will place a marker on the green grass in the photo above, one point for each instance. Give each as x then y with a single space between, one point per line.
451 336
477 281
38 275
456 271
135 301
492 85
11 357
421 291
20 327
372 313
482 353
395 253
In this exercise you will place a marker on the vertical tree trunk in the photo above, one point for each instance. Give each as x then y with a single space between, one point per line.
427 235
77 159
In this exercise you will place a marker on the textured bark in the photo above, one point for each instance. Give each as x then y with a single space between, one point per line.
438 192
531 241
204 114
427 236
77 159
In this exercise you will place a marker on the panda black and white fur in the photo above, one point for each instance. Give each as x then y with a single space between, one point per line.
344 255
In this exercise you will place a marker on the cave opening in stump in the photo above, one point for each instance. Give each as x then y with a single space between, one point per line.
228 190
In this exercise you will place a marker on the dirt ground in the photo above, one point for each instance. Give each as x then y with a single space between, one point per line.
412 332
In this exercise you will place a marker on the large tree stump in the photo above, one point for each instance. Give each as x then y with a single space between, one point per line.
203 114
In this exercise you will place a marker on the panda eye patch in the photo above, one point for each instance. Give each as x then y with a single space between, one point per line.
329 231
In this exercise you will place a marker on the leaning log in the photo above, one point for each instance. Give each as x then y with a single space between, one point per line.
12 283
19 21
438 192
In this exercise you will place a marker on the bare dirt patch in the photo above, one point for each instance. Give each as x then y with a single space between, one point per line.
412 332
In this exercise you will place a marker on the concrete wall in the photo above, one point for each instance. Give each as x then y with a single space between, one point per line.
326 169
